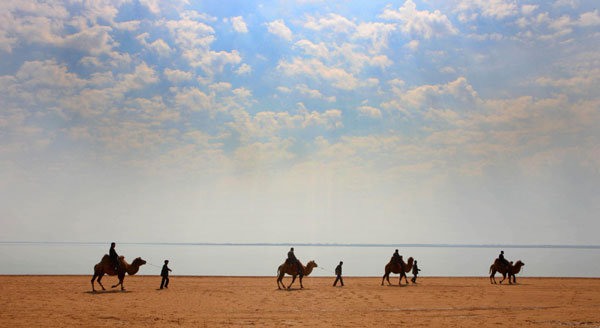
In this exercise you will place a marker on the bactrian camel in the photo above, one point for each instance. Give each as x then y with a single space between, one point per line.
392 267
106 267
292 270
499 267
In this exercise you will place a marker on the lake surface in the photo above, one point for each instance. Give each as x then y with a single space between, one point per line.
263 260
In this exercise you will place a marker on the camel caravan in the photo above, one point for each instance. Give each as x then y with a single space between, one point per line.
114 265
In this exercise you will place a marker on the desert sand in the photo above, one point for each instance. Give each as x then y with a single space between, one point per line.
67 301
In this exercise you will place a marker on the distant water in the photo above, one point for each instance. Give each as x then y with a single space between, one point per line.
263 260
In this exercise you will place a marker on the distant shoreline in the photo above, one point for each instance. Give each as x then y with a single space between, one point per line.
411 245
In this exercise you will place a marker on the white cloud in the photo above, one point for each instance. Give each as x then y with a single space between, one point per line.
413 45
589 19
312 93
333 22
279 28
419 23
498 9
239 25
244 69
528 9
158 46
177 76
316 69
377 32
369 111
309 48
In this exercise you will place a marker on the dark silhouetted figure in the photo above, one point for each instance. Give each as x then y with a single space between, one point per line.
292 259
164 273
338 273
114 257
398 260
504 261
415 272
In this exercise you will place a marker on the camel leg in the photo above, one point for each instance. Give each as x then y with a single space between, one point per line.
503 277
383 278
514 278
93 278
293 279
300 279
100 282
405 279
280 280
493 277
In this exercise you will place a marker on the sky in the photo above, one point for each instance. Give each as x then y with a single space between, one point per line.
310 121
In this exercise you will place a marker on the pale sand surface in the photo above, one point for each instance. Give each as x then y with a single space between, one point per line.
66 301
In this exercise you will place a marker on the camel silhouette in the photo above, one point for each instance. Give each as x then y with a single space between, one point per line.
392 267
106 267
292 270
499 267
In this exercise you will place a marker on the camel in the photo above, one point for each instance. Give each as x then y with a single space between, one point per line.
499 267
105 267
292 270
391 267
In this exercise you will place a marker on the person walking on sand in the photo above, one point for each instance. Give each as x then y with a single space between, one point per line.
293 260
338 273
415 272
164 273
114 257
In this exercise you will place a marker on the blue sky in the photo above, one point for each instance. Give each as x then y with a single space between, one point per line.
300 121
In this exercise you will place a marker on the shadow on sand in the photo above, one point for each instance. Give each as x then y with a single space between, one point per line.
100 292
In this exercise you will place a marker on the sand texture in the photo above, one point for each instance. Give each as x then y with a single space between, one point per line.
67 301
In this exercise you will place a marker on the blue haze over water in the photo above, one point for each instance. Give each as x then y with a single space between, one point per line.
263 259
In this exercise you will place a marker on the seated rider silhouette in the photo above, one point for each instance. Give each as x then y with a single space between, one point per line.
293 260
114 257
504 261
397 259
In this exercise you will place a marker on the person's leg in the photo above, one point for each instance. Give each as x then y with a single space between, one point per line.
341 281
162 282
167 282
336 280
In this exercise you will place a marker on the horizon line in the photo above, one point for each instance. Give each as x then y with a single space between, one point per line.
408 245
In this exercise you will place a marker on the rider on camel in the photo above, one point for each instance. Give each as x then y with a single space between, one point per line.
293 260
397 259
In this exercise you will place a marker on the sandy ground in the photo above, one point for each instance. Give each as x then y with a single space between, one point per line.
67 301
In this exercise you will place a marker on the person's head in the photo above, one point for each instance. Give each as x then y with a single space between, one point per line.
341 262
113 244
292 249
396 251
166 261
415 261
501 252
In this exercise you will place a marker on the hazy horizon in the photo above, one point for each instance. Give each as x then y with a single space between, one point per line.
385 122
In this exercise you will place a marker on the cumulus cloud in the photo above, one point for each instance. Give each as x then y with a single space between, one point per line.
239 25
316 69
497 9
417 23
244 69
177 76
279 28
369 111
332 21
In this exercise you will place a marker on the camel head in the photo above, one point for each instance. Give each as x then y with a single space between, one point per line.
312 264
410 260
138 262
519 263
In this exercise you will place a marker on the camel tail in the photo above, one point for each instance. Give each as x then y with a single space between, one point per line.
490 269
